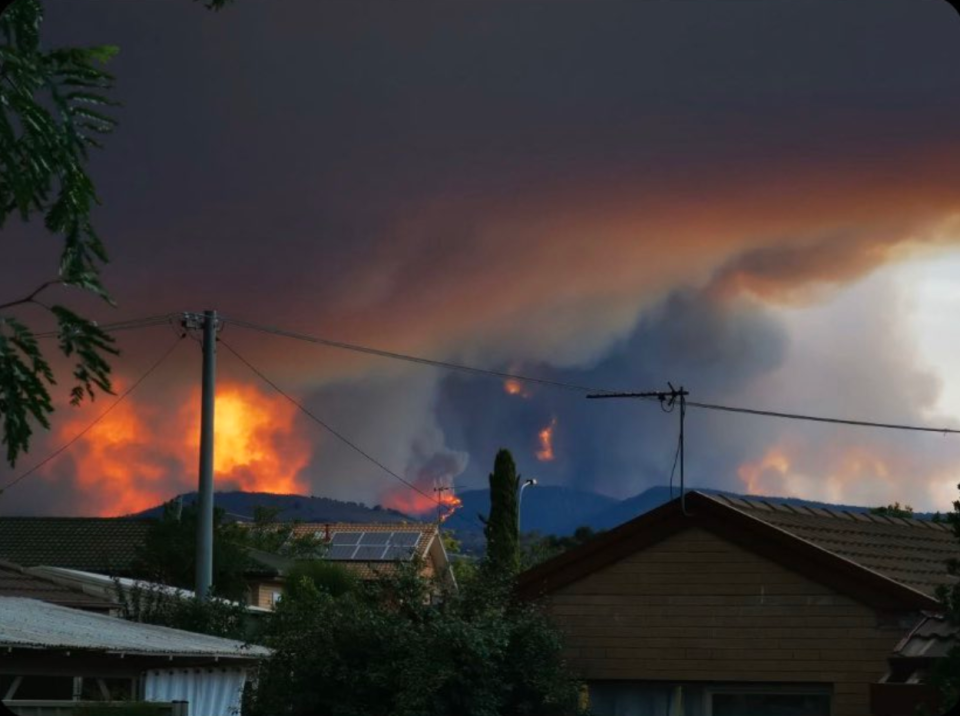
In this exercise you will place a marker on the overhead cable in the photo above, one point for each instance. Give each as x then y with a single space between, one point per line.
330 429
596 392
88 428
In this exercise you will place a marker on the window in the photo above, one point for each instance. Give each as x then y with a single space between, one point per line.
762 702
275 598
640 698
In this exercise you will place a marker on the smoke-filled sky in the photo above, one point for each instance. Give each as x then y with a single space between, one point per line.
758 201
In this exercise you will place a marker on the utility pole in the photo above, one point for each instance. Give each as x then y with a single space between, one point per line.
669 399
440 489
204 558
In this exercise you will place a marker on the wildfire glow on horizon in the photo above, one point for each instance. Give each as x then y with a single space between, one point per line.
413 503
137 457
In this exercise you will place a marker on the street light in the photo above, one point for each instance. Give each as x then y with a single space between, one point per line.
526 483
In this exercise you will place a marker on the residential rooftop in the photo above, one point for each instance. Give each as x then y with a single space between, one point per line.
32 624
909 551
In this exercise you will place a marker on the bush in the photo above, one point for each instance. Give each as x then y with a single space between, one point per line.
390 647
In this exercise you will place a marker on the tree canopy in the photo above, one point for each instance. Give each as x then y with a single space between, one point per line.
55 106
501 527
400 646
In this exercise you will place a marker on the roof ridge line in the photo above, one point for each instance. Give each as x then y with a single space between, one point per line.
833 554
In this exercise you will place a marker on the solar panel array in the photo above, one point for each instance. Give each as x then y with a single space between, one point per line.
373 546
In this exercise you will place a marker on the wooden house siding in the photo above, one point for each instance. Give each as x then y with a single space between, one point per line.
262 593
696 607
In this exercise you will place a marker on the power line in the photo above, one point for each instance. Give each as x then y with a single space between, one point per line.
131 324
171 318
595 392
413 359
100 417
822 419
326 426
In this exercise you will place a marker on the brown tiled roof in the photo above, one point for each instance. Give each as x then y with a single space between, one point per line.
911 552
887 562
15 582
932 638
104 545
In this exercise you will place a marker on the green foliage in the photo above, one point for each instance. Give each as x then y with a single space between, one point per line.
270 535
946 674
52 111
315 574
465 567
149 604
894 510
501 528
168 554
537 549
392 648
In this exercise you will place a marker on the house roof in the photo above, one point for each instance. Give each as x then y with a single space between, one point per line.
885 561
15 581
426 530
932 638
911 552
95 544
32 624
101 585
365 569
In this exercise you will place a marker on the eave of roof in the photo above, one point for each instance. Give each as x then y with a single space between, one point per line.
31 624
738 526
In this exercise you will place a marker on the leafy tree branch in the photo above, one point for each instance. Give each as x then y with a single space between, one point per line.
54 107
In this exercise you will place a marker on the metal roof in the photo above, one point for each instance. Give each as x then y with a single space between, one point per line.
105 586
32 624
15 581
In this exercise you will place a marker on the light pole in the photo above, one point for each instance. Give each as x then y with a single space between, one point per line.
526 483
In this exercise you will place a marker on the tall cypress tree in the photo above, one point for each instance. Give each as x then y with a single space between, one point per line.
502 527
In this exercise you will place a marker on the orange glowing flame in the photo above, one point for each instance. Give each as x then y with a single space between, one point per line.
119 465
449 504
256 445
545 452
512 386
442 504
137 456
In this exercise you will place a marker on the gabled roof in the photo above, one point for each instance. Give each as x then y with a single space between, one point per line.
15 581
32 624
883 561
94 544
911 552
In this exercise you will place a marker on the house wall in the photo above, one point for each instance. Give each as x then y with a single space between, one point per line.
696 607
261 593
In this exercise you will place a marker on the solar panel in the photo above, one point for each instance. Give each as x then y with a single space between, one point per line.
373 546
341 552
396 552
370 553
405 538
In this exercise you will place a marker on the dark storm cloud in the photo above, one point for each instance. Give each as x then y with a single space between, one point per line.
549 184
